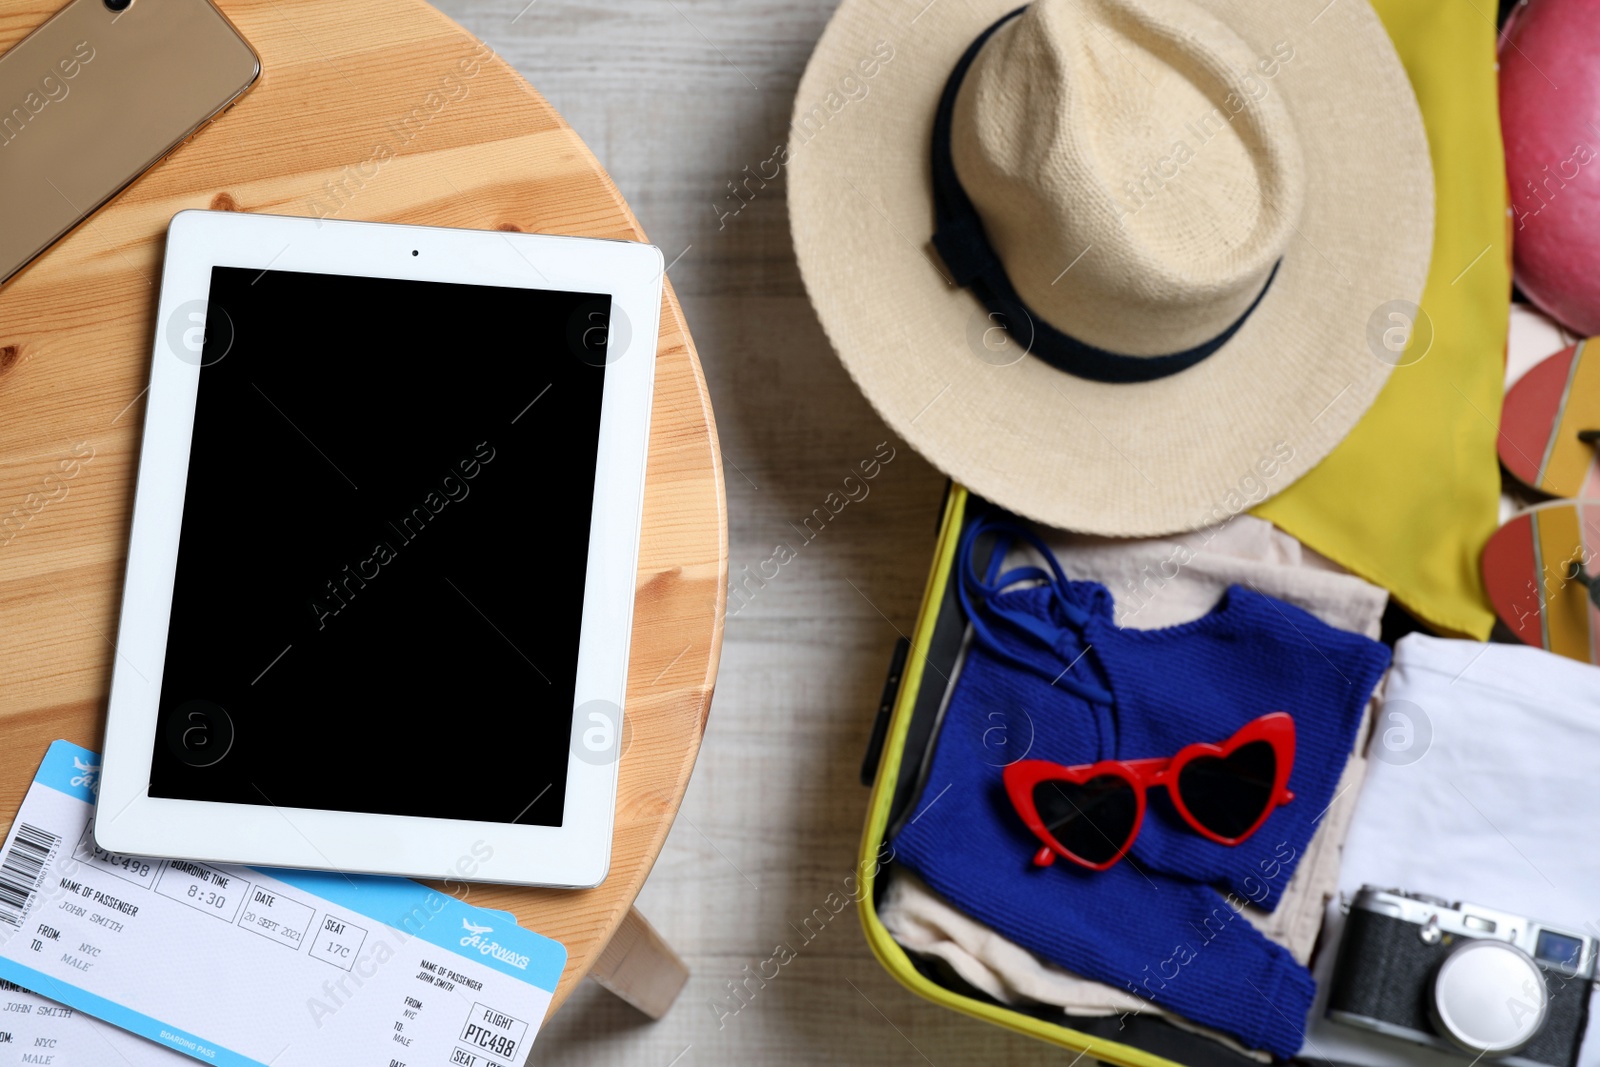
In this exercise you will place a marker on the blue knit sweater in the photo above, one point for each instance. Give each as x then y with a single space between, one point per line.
1043 662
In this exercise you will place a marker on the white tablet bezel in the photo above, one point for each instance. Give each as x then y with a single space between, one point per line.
577 853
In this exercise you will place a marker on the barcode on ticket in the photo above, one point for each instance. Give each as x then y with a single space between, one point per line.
21 871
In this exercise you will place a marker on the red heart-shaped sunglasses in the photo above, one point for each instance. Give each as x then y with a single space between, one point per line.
1091 813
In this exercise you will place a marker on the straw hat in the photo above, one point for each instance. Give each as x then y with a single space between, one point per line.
1122 266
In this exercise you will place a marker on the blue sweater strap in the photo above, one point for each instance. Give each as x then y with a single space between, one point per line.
977 596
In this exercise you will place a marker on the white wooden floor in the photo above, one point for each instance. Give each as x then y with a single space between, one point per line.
676 98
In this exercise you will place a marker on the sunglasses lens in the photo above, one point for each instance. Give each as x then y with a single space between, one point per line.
1092 820
1228 796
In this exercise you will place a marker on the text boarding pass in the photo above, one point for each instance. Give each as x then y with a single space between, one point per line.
247 967
36 1031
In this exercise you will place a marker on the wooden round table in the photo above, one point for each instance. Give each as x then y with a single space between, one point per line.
340 81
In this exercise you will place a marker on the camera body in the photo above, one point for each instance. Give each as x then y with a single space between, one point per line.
1463 978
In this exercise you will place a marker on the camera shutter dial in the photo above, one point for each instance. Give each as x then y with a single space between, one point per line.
1489 997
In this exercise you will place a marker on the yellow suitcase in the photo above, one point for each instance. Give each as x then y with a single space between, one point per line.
900 738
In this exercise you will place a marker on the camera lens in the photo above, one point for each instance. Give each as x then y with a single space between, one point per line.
118 5
1489 998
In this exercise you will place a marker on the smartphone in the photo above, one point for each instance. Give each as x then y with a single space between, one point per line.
96 96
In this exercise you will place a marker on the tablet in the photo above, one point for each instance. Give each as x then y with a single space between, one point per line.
381 573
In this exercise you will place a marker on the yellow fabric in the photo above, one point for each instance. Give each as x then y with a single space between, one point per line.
1409 498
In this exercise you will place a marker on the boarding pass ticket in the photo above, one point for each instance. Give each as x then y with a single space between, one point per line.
34 1030
241 966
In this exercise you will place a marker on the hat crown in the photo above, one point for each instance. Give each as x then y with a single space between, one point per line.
1134 168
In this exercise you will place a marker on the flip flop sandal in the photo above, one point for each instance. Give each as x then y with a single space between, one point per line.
1542 572
1550 425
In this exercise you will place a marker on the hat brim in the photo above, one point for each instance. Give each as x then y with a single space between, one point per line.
1116 459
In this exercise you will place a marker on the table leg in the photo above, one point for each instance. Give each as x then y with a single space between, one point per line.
640 967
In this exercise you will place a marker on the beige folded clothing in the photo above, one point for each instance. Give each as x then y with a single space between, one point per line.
923 923
1156 583
1165 581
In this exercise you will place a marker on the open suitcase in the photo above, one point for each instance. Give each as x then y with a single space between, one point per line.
902 735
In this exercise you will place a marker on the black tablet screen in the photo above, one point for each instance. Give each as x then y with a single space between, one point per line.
381 568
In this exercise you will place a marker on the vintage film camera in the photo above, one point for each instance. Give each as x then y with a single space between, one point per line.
1464 978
